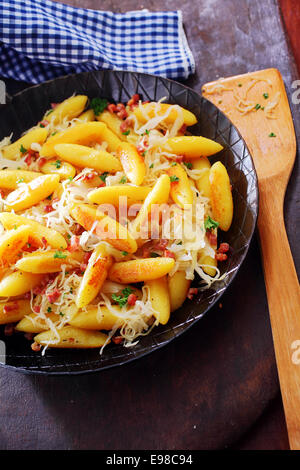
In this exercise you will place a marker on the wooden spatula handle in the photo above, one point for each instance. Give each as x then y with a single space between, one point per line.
284 305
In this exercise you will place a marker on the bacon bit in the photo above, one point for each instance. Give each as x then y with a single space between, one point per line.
53 296
41 162
146 252
82 267
133 102
27 295
74 244
134 99
37 308
141 148
44 123
71 340
78 229
36 347
179 158
2 193
87 256
89 176
223 248
10 307
120 107
117 339
122 114
191 292
9 329
53 105
125 125
112 108
169 254
132 298
161 244
183 128
48 208
220 256
44 242
28 159
212 238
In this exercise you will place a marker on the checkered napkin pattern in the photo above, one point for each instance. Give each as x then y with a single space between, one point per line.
41 40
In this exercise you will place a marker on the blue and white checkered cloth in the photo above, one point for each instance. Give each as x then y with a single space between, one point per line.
41 40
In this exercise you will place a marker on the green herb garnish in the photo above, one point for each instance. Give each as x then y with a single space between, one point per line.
174 178
123 180
104 176
257 106
59 254
210 224
173 164
98 105
147 132
124 253
122 299
49 309
21 180
57 164
23 149
239 84
272 134
188 165
154 255
126 132
152 165
266 95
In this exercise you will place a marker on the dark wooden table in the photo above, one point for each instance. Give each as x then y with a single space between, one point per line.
216 386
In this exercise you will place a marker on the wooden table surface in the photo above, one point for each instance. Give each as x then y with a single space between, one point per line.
226 38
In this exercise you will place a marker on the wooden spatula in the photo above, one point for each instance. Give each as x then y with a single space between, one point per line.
257 105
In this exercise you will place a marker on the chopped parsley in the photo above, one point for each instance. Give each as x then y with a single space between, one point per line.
23 149
59 254
53 133
104 176
173 164
124 253
179 243
188 165
49 112
272 134
266 95
174 178
57 164
42 125
122 299
49 309
61 314
147 132
210 224
152 165
98 105
15 227
239 84
123 180
154 255
126 132
21 180
257 106
144 153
